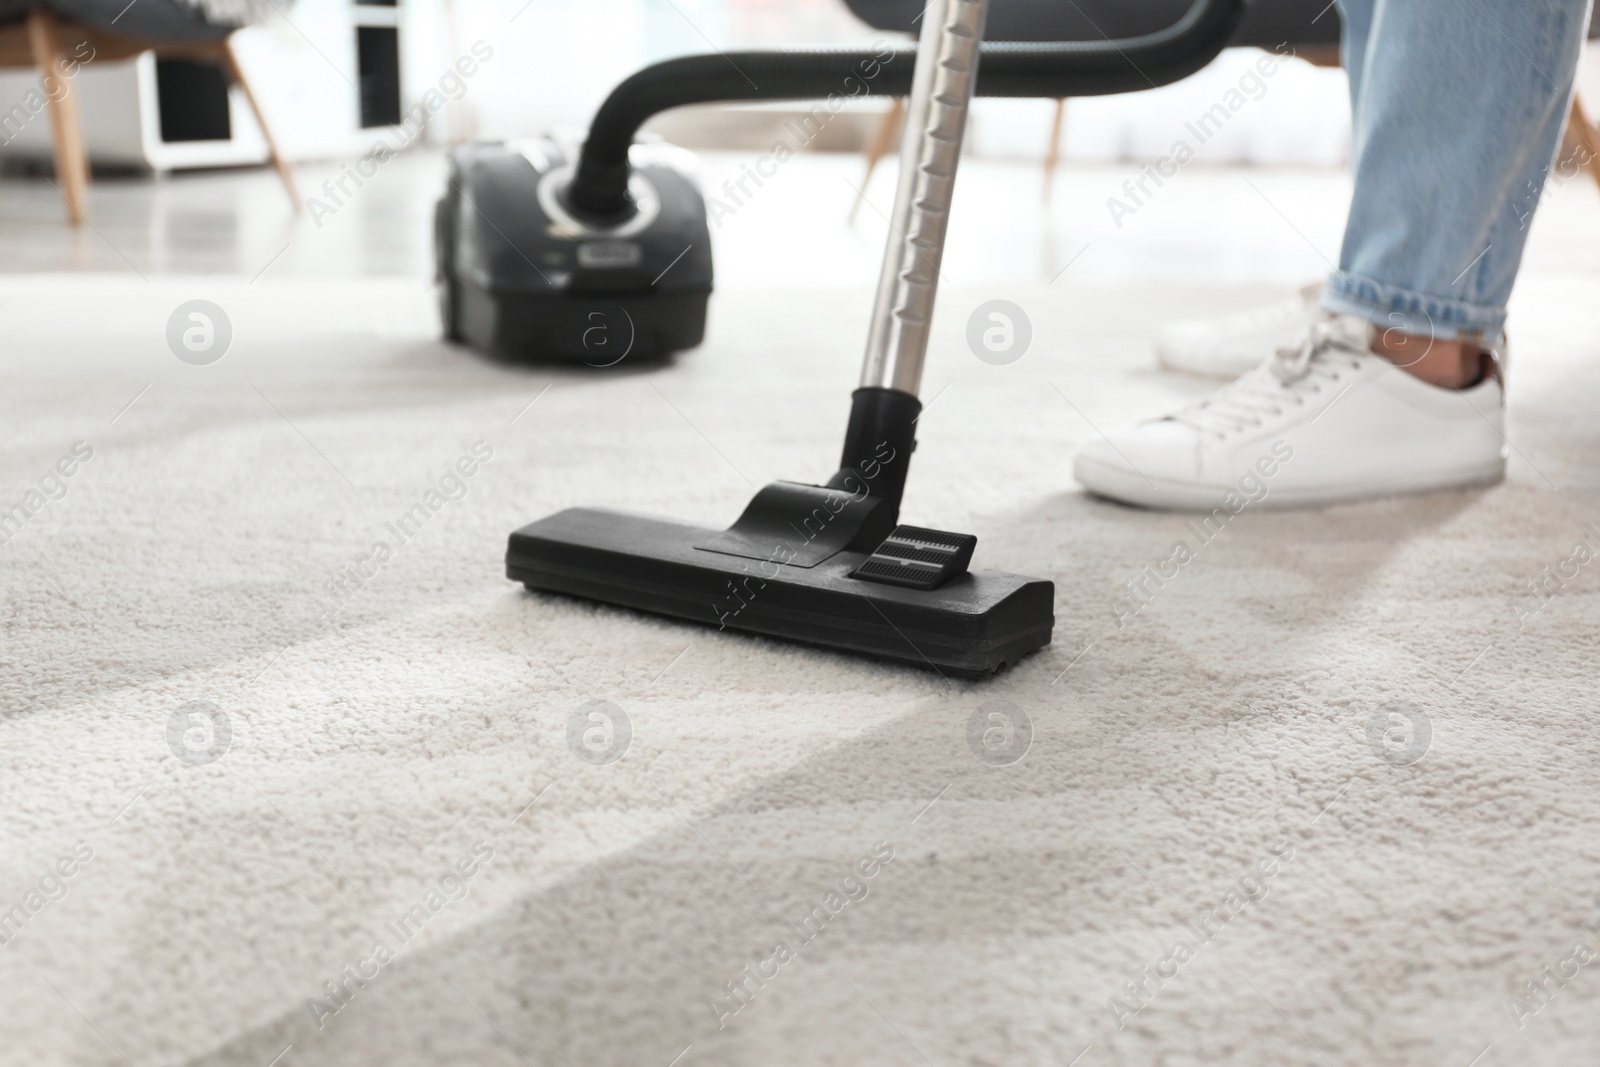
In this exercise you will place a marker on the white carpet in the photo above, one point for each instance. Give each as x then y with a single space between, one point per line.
1220 734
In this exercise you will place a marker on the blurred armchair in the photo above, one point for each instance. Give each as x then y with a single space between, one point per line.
58 37
1310 27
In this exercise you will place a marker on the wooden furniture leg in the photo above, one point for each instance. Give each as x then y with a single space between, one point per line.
877 147
1052 154
1584 133
230 63
66 121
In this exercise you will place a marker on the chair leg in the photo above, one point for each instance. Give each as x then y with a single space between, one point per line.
1584 133
1052 154
881 140
230 63
66 121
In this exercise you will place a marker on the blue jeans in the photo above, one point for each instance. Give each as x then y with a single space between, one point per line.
1458 110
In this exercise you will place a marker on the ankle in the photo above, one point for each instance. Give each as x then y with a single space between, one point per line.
1446 364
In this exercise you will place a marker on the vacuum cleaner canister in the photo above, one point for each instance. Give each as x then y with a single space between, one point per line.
521 274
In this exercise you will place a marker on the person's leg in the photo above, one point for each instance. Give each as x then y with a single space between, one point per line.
1458 110
1355 33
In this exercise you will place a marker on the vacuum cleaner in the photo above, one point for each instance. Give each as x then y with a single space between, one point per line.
521 274
831 564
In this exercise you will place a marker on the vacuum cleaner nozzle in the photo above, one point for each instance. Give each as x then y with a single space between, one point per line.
824 564
968 625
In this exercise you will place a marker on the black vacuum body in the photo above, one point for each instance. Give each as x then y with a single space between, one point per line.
524 275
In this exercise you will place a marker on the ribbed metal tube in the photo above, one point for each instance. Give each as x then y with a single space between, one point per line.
936 119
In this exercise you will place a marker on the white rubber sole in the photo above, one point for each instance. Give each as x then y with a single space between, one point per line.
1128 487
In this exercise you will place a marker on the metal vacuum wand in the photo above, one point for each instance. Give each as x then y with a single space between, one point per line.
936 119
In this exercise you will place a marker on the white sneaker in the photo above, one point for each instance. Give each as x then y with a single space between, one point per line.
1323 423
1227 346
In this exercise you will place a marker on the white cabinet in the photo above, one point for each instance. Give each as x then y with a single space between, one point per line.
333 76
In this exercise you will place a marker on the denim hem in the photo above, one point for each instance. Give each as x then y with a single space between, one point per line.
1391 307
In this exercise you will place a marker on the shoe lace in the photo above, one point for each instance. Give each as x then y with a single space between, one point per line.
1329 348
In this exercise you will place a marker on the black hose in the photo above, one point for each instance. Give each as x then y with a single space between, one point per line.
1048 69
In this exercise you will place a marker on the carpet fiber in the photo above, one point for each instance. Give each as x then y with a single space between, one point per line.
1327 796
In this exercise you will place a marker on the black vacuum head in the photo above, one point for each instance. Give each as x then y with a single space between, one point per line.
523 275
904 594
